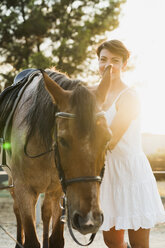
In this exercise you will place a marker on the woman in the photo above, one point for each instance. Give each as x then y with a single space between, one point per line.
129 196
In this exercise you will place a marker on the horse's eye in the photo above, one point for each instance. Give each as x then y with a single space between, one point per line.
63 142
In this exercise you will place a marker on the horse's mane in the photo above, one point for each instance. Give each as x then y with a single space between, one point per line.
41 115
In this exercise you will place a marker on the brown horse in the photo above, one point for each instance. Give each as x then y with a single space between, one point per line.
82 137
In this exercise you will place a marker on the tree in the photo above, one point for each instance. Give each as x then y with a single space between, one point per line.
36 33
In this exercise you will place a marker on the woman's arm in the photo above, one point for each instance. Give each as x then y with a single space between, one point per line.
128 107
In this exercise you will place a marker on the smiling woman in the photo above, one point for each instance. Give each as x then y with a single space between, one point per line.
129 196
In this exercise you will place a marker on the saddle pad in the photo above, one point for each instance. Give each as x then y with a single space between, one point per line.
8 98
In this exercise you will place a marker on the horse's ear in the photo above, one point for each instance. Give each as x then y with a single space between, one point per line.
58 95
102 89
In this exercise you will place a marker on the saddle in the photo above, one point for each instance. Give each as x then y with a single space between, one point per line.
23 75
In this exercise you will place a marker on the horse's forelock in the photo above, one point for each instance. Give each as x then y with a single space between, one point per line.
84 103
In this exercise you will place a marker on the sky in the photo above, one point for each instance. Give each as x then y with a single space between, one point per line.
142 30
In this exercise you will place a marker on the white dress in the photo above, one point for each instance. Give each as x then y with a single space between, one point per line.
129 196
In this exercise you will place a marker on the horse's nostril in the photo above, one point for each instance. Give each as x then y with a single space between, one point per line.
99 217
77 220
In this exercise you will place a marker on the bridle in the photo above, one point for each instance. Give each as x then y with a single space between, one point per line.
65 183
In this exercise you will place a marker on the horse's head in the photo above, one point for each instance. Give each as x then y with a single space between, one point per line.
82 141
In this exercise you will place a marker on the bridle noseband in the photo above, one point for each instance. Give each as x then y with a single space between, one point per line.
64 182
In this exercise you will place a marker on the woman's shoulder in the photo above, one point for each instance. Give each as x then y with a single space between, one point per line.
129 100
129 94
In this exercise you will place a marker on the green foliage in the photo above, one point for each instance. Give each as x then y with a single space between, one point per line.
70 26
39 60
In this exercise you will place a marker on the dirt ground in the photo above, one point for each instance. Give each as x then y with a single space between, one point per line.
7 220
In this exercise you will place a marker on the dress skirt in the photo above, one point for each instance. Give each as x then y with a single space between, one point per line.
129 196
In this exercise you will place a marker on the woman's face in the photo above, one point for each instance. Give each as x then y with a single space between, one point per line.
106 58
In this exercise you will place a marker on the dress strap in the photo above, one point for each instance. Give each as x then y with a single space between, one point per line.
121 92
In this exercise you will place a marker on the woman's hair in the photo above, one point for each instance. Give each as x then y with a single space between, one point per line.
116 47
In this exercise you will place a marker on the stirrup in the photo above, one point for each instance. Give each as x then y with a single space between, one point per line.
8 186
3 164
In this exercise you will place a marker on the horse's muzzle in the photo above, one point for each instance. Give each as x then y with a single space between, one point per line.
87 224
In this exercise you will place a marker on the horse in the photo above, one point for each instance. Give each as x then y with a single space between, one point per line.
53 112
